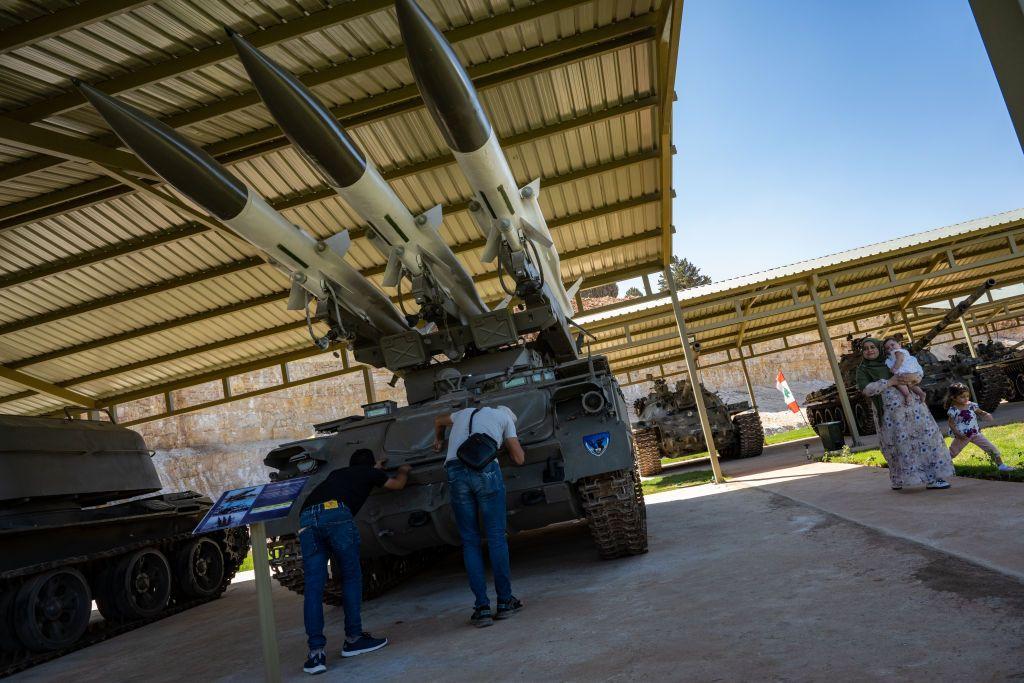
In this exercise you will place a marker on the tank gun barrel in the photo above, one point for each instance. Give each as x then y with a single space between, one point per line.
314 266
954 313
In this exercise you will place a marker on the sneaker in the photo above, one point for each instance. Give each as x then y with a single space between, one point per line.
938 484
1002 468
316 662
366 643
507 609
481 616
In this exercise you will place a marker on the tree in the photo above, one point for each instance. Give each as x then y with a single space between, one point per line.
633 293
685 274
604 290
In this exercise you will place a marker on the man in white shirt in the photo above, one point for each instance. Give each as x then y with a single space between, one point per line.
482 492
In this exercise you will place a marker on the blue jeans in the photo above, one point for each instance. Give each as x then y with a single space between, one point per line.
481 492
324 534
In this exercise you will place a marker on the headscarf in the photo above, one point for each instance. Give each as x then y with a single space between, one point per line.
872 370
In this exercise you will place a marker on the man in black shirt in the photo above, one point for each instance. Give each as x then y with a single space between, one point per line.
327 528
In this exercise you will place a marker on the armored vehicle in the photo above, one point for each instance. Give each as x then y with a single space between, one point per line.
669 426
451 348
995 354
987 383
67 541
573 425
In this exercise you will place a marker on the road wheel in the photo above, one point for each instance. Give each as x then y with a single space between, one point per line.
1018 384
647 443
137 587
199 568
51 610
751 435
865 421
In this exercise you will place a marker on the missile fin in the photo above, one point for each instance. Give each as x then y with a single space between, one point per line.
434 216
297 297
534 189
535 235
493 244
435 262
393 271
571 292
339 243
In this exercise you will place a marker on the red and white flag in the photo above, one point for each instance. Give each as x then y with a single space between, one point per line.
782 385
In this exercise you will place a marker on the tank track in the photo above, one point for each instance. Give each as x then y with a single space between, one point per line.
613 504
648 451
990 387
1014 371
751 435
233 545
379 574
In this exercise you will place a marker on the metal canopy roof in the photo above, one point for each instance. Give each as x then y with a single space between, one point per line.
112 288
892 278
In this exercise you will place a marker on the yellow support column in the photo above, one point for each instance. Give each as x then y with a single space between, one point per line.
692 372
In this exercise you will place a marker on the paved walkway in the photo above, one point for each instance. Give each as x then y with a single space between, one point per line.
792 571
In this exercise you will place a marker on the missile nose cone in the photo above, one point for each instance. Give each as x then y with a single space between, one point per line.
182 164
306 121
445 86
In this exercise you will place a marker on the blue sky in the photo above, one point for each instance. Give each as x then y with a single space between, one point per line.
806 127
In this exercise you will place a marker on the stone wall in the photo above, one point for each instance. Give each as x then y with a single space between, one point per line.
223 447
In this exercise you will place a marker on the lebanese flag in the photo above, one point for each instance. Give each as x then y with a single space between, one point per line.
782 385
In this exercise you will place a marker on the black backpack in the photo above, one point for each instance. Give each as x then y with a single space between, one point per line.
478 450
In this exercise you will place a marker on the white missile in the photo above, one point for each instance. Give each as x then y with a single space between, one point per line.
505 213
409 243
316 267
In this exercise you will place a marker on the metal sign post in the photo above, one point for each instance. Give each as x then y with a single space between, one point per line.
264 603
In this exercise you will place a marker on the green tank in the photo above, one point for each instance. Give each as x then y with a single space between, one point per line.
668 426
77 524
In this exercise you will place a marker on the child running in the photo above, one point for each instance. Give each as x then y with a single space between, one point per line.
901 362
963 421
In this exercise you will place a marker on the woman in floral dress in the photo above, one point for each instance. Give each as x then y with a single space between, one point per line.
907 434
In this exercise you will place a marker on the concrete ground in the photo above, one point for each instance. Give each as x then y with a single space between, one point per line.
792 571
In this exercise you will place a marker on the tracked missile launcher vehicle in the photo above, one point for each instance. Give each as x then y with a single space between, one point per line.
988 383
67 540
668 426
451 350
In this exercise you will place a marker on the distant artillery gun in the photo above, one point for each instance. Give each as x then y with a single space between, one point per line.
669 426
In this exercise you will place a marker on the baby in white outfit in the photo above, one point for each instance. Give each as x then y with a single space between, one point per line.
903 364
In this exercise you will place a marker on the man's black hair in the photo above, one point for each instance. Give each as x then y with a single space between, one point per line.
364 456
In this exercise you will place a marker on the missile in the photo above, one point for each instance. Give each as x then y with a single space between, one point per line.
313 266
406 241
506 214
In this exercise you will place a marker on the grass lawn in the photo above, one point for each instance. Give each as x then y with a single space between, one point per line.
246 563
790 435
677 481
971 462
781 437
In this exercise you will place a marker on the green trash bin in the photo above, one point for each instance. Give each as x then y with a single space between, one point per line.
831 435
